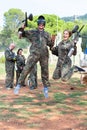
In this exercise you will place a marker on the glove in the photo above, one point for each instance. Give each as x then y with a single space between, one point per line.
14 58
20 32
55 50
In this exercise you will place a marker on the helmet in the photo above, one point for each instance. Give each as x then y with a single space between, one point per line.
41 20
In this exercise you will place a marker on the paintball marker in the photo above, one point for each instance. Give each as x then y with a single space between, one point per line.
21 30
77 32
75 29
77 35
30 17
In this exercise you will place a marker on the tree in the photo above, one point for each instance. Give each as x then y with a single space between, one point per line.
12 18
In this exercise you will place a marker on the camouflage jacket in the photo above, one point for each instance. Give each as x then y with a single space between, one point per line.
9 59
9 55
39 40
20 62
62 50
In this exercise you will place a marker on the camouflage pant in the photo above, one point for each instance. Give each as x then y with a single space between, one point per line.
63 71
17 77
33 58
32 78
9 81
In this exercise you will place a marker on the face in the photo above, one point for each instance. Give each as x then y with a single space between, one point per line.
65 35
12 46
40 27
20 52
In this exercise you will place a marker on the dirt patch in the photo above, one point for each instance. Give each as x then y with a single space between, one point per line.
65 109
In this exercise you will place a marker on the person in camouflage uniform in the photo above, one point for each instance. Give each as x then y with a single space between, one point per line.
32 77
9 66
64 69
40 39
20 63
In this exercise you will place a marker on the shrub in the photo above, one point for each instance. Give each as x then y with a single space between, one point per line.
2 59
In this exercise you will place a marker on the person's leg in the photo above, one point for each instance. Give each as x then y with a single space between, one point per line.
9 81
45 75
66 71
31 61
17 76
12 77
57 72
32 78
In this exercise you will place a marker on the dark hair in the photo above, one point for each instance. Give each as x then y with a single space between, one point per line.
19 50
70 32
41 20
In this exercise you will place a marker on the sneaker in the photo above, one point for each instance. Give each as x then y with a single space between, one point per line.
17 88
8 88
45 91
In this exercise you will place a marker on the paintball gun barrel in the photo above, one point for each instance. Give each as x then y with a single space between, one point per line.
77 32
75 29
30 17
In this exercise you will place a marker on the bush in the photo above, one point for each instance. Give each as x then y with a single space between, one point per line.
2 59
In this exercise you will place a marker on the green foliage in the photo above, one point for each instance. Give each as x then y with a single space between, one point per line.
22 43
81 103
11 20
60 97
74 18
84 38
76 94
23 100
2 59
54 24
2 69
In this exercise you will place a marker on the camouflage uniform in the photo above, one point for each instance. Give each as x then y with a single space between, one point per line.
63 68
39 52
9 68
32 78
20 63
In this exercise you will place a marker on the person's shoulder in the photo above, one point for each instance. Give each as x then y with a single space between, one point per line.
7 49
32 31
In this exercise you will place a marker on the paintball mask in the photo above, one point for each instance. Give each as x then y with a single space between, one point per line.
41 20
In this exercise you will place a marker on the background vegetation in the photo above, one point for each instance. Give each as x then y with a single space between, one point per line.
54 24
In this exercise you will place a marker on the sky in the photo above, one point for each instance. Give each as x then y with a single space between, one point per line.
62 8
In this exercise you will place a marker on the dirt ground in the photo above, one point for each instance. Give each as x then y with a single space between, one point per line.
44 114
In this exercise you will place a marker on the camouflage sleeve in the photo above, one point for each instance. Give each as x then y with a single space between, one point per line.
50 41
24 33
9 56
20 62
67 45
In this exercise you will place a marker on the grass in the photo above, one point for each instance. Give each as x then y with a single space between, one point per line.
2 69
30 110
